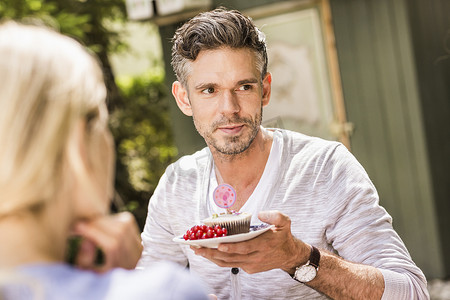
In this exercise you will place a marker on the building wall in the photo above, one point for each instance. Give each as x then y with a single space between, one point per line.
430 26
382 97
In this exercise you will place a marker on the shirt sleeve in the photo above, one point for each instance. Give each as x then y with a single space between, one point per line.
157 234
360 230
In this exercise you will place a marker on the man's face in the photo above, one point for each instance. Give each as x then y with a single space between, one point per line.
226 97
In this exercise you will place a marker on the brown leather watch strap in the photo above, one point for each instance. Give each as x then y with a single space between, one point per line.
314 257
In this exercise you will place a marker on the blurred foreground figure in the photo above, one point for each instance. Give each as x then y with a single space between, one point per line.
56 180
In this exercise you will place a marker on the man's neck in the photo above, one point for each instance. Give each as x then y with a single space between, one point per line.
244 171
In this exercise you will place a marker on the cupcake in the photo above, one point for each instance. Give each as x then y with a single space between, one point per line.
234 222
224 196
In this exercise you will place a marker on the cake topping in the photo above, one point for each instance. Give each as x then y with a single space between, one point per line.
224 195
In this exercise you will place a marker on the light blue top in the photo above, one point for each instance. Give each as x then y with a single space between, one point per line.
61 281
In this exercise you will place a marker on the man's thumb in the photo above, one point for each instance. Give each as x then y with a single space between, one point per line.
274 217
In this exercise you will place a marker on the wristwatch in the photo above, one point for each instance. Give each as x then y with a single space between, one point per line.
307 272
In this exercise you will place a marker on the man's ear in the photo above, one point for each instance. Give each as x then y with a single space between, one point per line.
182 98
267 88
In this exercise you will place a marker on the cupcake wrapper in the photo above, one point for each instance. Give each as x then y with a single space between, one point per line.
233 227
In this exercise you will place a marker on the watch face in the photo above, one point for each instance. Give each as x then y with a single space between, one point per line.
305 273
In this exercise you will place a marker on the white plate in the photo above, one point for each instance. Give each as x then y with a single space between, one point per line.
255 230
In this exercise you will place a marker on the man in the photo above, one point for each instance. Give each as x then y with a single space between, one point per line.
330 236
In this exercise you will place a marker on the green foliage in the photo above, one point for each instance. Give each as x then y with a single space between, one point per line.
80 19
140 125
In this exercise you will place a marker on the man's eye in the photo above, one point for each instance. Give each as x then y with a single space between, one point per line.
208 91
245 87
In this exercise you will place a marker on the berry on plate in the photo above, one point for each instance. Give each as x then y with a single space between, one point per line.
199 232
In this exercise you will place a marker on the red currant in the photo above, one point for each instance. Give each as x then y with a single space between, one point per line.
204 232
209 234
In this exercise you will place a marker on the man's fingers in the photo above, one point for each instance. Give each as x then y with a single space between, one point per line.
225 259
257 244
210 253
249 263
274 217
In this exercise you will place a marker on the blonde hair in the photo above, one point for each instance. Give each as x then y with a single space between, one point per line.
48 83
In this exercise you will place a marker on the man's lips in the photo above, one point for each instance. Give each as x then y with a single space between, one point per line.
231 129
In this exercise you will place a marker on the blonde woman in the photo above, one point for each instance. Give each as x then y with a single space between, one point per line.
56 174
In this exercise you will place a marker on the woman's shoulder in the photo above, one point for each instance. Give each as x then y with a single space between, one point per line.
61 281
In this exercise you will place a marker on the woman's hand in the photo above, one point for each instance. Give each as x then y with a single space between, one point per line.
117 236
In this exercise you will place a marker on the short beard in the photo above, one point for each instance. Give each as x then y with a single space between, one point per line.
235 145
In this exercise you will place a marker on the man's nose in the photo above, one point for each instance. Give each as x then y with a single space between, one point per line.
230 103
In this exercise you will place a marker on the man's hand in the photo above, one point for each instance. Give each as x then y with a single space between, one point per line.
116 235
276 248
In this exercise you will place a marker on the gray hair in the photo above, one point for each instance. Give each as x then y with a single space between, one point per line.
212 30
